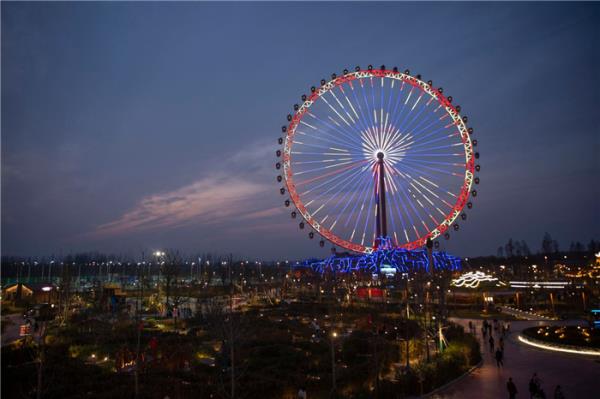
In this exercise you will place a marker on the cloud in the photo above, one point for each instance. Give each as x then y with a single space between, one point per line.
265 213
210 200
220 197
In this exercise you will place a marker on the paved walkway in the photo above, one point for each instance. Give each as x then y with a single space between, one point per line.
578 376
525 315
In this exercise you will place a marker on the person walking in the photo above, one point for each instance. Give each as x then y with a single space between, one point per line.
558 393
535 387
491 341
511 388
501 344
532 388
499 358
537 381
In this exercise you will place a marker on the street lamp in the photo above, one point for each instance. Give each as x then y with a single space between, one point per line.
333 337
158 255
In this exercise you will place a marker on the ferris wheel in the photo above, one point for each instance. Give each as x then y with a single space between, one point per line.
377 158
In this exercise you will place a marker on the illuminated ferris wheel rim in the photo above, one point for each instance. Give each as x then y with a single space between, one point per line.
426 88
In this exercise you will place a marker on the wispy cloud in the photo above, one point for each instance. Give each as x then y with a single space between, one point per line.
265 213
208 201
220 197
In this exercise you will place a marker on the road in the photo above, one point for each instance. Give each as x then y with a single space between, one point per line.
578 376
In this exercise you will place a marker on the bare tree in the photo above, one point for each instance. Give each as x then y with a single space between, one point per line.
509 248
169 270
228 326
65 293
547 244
525 248
176 293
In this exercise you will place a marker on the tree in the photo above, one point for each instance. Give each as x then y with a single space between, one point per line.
500 252
525 248
547 244
518 249
509 248
230 328
169 269
65 293
555 248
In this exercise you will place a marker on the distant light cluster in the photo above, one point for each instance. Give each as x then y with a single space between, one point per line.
384 261
539 284
472 279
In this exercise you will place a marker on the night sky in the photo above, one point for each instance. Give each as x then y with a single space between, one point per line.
132 127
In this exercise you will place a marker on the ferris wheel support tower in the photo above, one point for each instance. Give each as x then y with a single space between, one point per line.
381 222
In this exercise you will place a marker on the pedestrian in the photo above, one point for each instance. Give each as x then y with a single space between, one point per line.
532 388
512 389
501 344
499 358
558 393
538 381
483 332
302 393
491 341
535 387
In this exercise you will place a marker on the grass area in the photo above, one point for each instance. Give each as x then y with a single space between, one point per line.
566 335
277 348
8 308
5 323
462 353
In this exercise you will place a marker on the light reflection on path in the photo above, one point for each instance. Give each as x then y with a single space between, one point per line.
579 376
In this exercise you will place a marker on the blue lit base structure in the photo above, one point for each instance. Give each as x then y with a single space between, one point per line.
384 261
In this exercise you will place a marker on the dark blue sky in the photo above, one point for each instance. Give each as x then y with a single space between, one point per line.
130 127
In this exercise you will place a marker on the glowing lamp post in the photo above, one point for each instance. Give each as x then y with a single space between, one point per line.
159 254
333 337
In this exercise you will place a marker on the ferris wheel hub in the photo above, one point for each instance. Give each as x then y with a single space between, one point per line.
380 155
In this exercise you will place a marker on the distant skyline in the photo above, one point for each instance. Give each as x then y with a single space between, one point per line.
130 127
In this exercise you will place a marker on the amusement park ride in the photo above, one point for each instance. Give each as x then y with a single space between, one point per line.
381 164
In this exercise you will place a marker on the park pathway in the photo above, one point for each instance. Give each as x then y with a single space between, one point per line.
578 376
